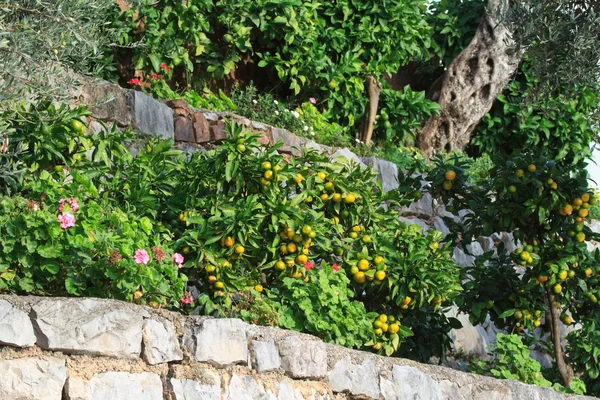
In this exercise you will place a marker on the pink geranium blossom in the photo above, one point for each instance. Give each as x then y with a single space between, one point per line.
178 259
73 204
313 100
141 257
309 265
187 299
335 267
67 220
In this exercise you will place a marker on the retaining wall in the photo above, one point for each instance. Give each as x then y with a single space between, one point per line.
84 349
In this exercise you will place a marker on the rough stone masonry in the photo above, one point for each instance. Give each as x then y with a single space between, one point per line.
95 349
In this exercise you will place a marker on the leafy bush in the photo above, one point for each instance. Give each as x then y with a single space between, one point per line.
512 360
211 39
558 124
323 306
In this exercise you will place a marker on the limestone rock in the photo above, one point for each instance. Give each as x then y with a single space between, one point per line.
346 154
440 225
387 172
265 356
32 379
409 383
89 326
116 386
187 389
421 207
303 358
218 341
106 101
461 259
151 116
15 326
355 379
160 342
245 387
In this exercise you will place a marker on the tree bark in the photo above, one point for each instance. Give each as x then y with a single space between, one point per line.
365 134
564 369
468 88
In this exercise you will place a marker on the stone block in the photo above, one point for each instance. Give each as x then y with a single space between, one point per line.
116 386
387 172
160 342
201 128
151 116
32 379
409 383
184 130
15 326
265 356
303 358
106 101
179 107
356 379
88 326
217 131
461 259
422 207
188 389
218 341
347 155
246 387
440 225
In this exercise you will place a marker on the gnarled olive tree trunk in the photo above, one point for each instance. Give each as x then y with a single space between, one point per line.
468 88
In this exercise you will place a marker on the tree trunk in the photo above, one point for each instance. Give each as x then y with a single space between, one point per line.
468 88
365 134
564 369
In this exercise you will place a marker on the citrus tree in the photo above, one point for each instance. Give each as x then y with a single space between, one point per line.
551 276
319 240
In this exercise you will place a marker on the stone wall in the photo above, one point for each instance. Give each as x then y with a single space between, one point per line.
84 349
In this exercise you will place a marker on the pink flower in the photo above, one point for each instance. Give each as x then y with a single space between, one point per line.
187 299
159 253
67 220
74 204
141 257
178 259
134 81
313 100
309 265
335 267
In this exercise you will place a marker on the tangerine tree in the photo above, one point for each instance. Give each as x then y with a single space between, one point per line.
550 276
318 240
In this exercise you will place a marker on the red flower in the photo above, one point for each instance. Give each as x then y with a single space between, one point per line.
155 76
168 68
309 265
335 267
134 81
163 66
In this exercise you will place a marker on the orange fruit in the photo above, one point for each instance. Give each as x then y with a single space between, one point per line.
447 185
301 259
580 237
380 275
512 189
228 241
321 175
291 247
519 173
350 198
557 288
239 249
583 213
394 328
219 285
450 175
268 175
562 275
258 288
577 202
324 197
280 265
298 178
337 198
378 260
568 209
531 168
266 165
360 277
588 272
212 279
363 265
